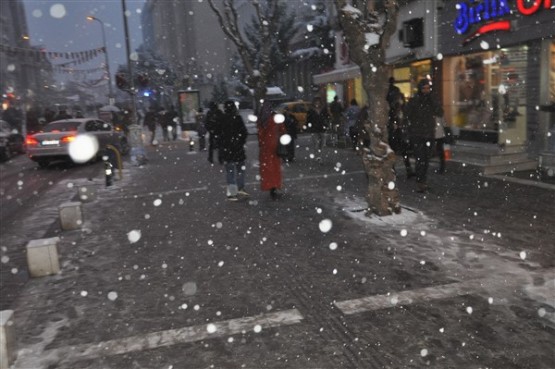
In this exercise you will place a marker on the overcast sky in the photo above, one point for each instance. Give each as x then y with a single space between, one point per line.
61 26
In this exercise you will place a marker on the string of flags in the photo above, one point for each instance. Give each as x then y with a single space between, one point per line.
73 71
74 58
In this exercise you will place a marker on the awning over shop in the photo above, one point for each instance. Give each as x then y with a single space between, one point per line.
337 75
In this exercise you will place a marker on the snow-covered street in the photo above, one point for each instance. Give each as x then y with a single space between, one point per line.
165 273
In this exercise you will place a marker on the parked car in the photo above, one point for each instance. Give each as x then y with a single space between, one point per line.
298 109
11 141
52 143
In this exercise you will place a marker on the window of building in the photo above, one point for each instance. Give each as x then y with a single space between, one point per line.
406 78
486 91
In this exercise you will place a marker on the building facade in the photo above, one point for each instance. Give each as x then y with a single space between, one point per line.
498 79
19 76
492 65
188 36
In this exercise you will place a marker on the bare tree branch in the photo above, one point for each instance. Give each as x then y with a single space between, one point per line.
228 22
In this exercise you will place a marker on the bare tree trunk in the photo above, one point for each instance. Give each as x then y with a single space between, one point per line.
382 194
358 22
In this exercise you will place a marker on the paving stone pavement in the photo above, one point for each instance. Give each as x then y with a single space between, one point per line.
165 273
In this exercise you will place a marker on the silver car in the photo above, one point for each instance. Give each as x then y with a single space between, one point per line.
52 143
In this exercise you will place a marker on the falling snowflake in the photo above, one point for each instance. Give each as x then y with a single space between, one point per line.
279 118
58 11
285 139
325 225
83 148
211 328
189 288
134 236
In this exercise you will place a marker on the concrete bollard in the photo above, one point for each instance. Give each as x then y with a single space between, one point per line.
71 216
7 339
87 193
42 257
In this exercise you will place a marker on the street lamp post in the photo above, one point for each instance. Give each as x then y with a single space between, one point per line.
138 154
110 91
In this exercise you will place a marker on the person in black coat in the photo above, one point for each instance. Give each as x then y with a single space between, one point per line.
232 140
151 121
396 129
421 111
212 123
291 125
171 117
318 122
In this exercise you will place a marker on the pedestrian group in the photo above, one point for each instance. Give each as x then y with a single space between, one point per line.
415 129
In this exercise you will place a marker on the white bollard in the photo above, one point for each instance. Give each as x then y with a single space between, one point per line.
42 257
71 216
7 339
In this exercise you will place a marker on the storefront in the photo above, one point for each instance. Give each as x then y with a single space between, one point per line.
407 76
497 57
412 50
344 81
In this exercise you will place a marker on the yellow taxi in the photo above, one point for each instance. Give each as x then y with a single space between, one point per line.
298 109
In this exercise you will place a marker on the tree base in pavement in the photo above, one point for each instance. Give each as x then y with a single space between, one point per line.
382 196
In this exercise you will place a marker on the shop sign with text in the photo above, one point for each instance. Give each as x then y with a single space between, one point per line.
489 15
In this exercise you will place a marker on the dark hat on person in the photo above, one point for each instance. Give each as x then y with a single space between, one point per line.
230 107
422 83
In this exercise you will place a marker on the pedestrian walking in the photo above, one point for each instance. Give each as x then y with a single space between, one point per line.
212 122
421 111
49 115
336 111
164 124
170 118
362 139
291 127
440 143
269 133
397 135
151 121
231 141
318 121
63 114
351 115
201 129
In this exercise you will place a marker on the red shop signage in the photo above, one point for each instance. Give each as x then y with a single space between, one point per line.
489 15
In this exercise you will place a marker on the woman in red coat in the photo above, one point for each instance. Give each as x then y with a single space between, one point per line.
269 133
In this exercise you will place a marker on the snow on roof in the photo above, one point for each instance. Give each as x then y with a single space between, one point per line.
355 13
273 90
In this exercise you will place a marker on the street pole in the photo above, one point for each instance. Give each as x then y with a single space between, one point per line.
111 99
138 154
